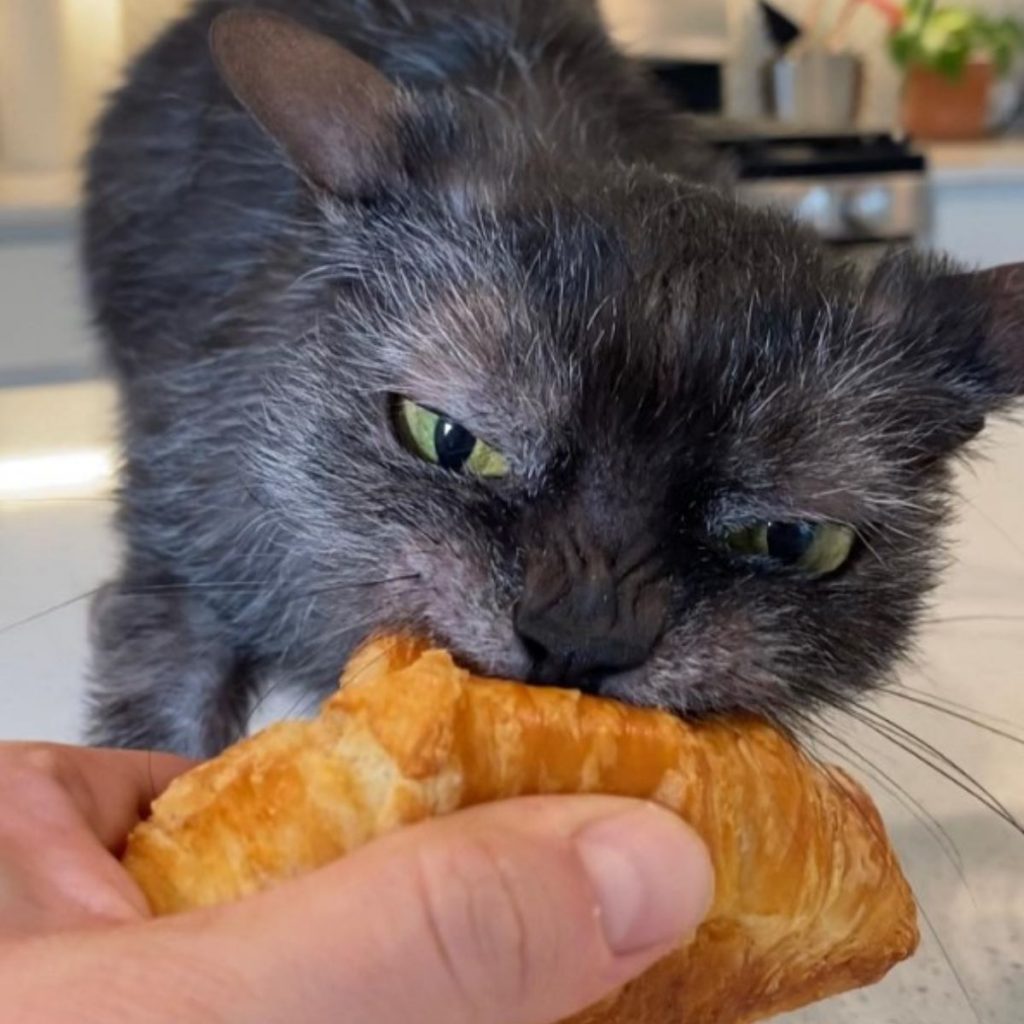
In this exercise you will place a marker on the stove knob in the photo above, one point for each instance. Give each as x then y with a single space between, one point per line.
868 210
815 208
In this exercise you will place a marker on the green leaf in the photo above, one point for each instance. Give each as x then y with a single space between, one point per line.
945 39
951 61
902 47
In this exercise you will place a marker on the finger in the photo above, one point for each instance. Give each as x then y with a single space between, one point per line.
61 812
517 913
110 789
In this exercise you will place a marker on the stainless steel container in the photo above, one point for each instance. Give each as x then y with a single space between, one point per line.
816 89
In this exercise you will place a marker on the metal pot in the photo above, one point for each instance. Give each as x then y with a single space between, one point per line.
816 89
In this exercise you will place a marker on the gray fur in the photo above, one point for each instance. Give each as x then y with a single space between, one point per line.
558 274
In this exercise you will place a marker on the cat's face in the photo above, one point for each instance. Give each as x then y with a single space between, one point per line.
647 443
594 425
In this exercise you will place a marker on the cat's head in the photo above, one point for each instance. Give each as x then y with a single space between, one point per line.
608 428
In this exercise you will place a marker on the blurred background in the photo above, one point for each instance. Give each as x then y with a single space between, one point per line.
876 122
849 78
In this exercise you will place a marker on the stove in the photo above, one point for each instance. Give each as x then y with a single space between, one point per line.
862 192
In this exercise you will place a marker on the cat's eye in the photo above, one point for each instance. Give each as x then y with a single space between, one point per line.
815 548
434 438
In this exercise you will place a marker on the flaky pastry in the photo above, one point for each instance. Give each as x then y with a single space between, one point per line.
810 899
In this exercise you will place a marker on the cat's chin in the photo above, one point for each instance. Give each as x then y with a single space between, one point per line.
639 688
629 686
647 687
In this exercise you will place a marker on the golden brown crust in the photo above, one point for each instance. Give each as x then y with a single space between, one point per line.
810 899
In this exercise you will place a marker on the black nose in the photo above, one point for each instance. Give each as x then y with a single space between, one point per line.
582 618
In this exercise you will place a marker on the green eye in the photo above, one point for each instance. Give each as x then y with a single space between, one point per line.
439 440
816 548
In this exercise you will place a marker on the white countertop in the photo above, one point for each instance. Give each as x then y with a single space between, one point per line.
55 548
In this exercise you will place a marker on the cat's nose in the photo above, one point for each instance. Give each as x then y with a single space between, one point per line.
583 618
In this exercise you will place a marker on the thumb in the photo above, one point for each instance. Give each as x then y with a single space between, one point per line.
517 913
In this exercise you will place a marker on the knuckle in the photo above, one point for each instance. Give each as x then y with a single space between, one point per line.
32 784
45 760
482 921
38 759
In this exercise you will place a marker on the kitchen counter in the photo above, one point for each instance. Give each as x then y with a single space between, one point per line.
967 866
978 200
998 161
38 203
32 200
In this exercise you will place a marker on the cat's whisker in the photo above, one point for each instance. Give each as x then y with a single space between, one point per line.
922 751
152 779
956 619
227 587
949 960
352 626
295 705
59 500
930 695
52 610
180 588
407 578
813 725
262 700
934 759
958 715
862 537
848 752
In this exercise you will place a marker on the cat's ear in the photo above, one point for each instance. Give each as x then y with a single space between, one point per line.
1001 348
337 117
965 328
961 335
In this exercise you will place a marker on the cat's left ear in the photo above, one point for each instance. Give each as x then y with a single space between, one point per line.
1000 349
963 331
960 335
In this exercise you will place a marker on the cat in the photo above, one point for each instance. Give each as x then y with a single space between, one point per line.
437 317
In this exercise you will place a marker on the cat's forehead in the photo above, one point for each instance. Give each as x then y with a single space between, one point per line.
639 293
650 328
689 312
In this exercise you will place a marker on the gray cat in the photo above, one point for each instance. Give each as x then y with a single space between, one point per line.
435 317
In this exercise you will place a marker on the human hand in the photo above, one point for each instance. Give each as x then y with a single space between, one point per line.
517 913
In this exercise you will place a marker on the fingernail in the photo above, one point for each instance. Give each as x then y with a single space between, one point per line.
652 878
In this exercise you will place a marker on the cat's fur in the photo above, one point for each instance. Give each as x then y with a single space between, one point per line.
533 248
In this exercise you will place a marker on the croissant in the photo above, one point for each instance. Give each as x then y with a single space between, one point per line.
810 898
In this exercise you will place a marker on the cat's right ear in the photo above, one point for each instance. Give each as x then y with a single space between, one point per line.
337 117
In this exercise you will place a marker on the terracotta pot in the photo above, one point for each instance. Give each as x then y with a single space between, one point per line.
937 107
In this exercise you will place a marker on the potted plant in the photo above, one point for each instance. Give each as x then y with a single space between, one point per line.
951 57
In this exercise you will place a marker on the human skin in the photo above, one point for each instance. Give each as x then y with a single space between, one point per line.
522 912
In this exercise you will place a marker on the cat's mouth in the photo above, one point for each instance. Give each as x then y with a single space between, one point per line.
634 686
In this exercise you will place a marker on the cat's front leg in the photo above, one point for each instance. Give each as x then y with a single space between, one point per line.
163 677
